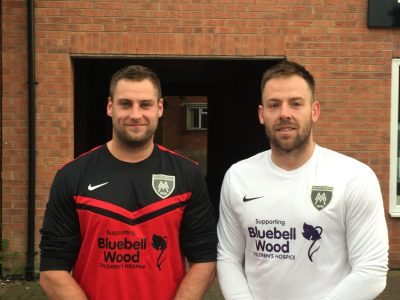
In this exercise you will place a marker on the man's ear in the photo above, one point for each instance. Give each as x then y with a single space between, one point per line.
160 107
261 114
109 107
315 110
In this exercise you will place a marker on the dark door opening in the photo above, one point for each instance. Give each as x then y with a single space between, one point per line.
232 87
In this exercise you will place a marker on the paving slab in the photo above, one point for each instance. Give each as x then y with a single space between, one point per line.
31 290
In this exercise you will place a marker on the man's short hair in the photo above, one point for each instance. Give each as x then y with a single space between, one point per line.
135 73
288 68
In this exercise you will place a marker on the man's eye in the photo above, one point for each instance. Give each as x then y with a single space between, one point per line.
146 104
125 104
273 105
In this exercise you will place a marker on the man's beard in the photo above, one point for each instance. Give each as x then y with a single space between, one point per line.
128 141
300 141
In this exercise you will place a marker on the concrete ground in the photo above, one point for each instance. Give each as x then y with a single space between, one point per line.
24 290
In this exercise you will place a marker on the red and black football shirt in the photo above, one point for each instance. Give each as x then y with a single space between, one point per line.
125 228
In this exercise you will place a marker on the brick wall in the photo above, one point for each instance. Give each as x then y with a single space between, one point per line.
191 143
14 125
352 65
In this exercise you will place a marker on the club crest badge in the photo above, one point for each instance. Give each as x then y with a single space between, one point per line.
321 196
163 185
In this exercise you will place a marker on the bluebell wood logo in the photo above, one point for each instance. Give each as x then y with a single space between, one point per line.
113 249
122 249
313 234
272 243
159 243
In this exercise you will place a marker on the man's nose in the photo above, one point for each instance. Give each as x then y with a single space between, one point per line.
285 111
134 112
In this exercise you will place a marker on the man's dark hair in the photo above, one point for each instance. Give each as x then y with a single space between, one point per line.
135 73
288 68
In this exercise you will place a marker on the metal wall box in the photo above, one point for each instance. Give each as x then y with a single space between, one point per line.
384 13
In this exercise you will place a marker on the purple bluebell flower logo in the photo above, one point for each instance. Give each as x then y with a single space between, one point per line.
313 234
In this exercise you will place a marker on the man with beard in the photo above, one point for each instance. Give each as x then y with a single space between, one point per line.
124 216
299 221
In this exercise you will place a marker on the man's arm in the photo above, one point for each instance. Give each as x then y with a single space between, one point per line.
60 242
196 282
231 248
367 241
59 285
198 240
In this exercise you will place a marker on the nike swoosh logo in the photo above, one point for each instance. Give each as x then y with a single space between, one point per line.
93 187
249 199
